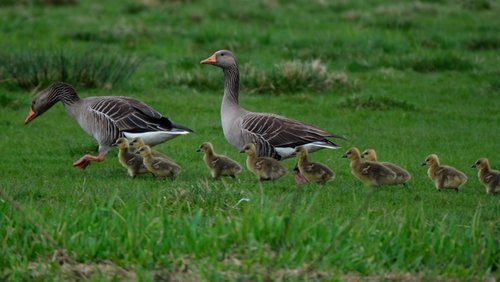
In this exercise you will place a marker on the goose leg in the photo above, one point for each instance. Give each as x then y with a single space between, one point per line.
84 161
299 178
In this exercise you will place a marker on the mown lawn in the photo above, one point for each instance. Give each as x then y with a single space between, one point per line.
407 79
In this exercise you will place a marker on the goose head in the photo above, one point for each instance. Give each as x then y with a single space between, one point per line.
352 154
122 143
249 149
46 98
144 150
221 58
369 154
300 151
206 148
431 160
137 142
481 164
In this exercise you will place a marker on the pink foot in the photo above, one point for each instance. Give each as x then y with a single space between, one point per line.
84 161
299 179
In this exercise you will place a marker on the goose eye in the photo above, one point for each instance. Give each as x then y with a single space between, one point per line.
222 54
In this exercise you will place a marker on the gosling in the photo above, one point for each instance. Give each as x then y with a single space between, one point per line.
264 168
370 173
402 175
444 177
488 177
138 142
158 166
219 165
132 162
312 172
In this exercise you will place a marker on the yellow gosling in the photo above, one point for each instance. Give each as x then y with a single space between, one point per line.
160 167
132 162
370 173
264 168
444 177
219 165
312 172
402 175
488 177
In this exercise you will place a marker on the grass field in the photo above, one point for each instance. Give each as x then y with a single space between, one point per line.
405 78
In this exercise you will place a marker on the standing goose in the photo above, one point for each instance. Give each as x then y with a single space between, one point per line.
443 176
107 118
488 177
274 136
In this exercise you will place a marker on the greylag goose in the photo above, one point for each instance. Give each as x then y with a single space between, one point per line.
442 175
138 142
132 162
370 173
312 172
219 165
107 118
488 177
160 167
402 175
273 135
265 168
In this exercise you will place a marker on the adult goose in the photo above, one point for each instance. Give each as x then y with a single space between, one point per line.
274 136
107 118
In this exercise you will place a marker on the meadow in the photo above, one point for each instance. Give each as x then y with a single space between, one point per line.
405 78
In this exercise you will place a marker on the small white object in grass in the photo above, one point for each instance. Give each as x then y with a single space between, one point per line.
242 200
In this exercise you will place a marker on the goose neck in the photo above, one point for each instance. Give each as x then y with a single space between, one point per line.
231 85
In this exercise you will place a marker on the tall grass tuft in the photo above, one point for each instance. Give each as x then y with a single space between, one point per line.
38 2
288 77
28 69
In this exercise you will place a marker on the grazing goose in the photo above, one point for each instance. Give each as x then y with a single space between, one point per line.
265 168
107 118
160 167
273 135
219 165
138 142
312 172
442 175
402 175
370 173
488 177
132 162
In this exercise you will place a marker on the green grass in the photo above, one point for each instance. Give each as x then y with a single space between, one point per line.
407 79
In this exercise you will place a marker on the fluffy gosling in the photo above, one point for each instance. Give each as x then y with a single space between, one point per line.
312 172
402 175
444 177
219 165
264 168
158 166
370 173
138 142
132 162
488 177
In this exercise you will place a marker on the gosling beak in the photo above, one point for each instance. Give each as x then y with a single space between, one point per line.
209 61
423 164
474 166
242 151
114 144
198 150
31 116
344 156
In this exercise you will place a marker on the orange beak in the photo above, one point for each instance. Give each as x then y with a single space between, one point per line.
210 60
30 117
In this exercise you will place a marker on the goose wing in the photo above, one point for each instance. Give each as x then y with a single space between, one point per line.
269 131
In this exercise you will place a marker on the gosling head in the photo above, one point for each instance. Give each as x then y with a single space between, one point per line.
206 148
122 143
482 163
249 149
221 58
144 150
300 151
369 155
431 160
137 142
352 154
